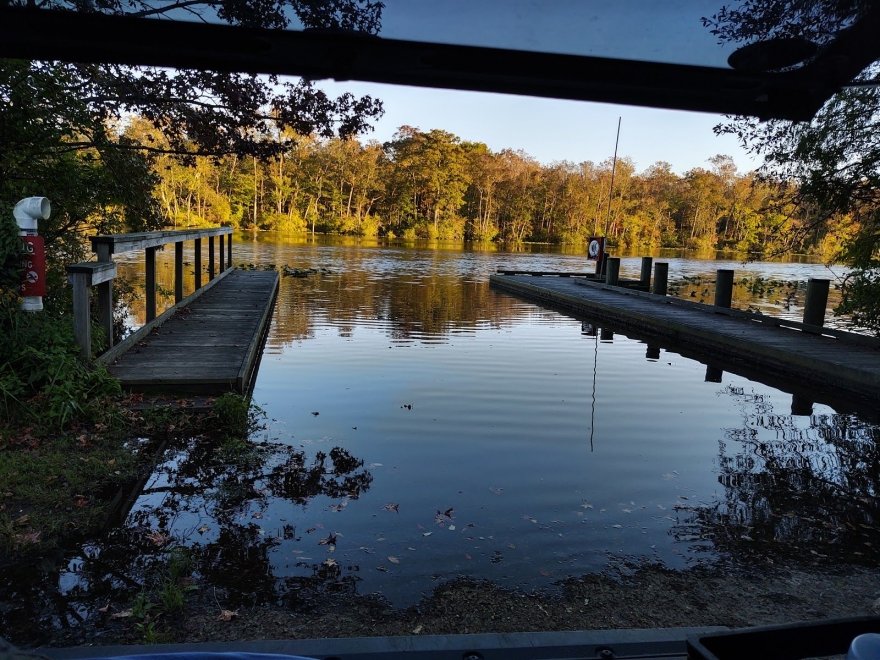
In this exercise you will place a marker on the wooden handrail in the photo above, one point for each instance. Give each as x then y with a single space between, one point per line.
101 273
119 243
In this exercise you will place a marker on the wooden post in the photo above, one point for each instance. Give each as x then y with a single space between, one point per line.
82 278
713 374
612 274
229 250
150 283
198 263
723 287
211 269
606 335
801 405
178 272
661 278
222 252
817 300
103 252
81 283
105 309
645 278
652 352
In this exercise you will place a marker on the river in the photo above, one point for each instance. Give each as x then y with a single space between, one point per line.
420 426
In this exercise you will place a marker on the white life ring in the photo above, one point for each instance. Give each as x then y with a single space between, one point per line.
593 250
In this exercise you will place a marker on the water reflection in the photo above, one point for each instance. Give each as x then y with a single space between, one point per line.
806 486
556 444
204 506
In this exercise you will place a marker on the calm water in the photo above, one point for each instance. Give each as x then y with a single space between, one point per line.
422 426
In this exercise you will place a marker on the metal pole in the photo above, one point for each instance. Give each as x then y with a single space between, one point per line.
613 170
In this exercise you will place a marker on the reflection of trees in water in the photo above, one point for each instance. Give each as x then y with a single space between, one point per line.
413 306
805 485
203 502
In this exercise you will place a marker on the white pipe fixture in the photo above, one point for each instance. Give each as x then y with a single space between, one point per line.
29 211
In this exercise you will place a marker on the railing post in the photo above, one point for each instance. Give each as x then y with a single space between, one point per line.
82 323
229 249
612 274
150 283
661 278
817 300
645 278
222 252
723 287
198 263
211 269
178 272
105 309
105 296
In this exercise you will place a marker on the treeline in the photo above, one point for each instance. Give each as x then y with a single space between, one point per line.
431 184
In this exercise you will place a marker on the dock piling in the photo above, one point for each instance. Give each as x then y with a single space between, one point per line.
612 273
645 278
724 287
817 300
661 278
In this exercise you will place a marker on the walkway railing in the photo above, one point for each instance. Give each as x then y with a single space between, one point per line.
100 274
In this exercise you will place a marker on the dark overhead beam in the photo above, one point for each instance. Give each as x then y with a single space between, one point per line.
71 36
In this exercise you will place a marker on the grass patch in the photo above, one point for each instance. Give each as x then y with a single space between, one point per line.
59 487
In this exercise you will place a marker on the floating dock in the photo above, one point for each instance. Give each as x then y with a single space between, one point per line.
821 357
210 343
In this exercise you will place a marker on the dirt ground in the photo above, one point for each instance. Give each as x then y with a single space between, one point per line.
646 597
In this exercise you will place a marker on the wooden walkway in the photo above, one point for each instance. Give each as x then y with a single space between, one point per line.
211 343
846 363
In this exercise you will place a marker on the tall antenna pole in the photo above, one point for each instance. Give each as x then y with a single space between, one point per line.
613 170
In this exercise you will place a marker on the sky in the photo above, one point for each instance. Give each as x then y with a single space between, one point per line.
552 130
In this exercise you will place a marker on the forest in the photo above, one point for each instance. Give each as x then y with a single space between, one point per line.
433 185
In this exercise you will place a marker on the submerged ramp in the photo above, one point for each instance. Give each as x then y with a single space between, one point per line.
845 362
210 344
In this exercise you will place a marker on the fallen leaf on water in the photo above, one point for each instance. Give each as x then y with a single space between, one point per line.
227 615
417 629
203 529
392 506
124 614
451 528
427 533
382 568
617 526
157 538
496 491
393 560
340 506
329 562
316 413
257 515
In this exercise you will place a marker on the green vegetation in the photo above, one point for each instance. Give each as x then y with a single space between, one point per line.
430 184
830 166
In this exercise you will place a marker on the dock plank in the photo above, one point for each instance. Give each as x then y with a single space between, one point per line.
819 360
210 345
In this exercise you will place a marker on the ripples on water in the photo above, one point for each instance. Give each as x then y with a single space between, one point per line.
487 437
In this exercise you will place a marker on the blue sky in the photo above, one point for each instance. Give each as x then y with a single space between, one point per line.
551 130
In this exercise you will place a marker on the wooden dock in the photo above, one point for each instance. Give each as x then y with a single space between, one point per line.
209 343
820 357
